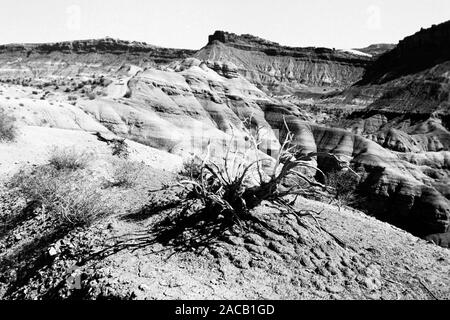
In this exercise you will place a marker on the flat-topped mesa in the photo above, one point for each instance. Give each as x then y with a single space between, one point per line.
279 69
226 37
249 42
104 45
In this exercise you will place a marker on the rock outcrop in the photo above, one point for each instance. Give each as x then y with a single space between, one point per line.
418 52
281 69
376 50
412 79
100 46
29 62
398 188
402 103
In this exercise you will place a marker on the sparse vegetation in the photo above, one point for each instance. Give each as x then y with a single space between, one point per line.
73 197
191 168
69 158
126 173
344 186
120 149
8 129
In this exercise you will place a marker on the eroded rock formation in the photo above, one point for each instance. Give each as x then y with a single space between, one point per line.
280 69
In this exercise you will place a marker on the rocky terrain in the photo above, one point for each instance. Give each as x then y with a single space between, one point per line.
118 257
280 69
402 104
383 110
376 50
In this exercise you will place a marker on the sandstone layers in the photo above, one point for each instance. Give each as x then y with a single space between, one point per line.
280 69
403 105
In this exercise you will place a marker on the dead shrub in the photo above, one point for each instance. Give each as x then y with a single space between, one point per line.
213 197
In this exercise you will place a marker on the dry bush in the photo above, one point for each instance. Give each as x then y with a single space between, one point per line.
8 129
72 196
125 173
191 168
120 149
343 187
64 188
212 197
69 158
82 204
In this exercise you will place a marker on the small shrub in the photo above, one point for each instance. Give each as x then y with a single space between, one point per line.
39 185
81 204
344 184
69 159
120 149
8 129
126 173
191 168
74 198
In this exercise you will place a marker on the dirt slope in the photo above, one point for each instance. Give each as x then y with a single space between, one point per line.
118 257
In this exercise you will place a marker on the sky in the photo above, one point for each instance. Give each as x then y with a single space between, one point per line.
342 24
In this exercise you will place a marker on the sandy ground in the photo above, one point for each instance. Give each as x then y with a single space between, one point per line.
34 145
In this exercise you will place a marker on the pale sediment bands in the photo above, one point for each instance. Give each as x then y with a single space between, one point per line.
398 190
277 68
403 133
70 58
403 98
405 95
186 105
44 113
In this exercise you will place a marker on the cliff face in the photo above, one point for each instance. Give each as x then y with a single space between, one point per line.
80 58
403 105
423 50
376 50
411 79
408 88
281 69
100 46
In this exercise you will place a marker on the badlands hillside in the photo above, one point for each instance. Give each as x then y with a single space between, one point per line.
382 111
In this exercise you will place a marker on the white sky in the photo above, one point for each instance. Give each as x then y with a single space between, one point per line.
187 23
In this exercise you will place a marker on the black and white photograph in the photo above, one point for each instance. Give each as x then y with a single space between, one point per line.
236 150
